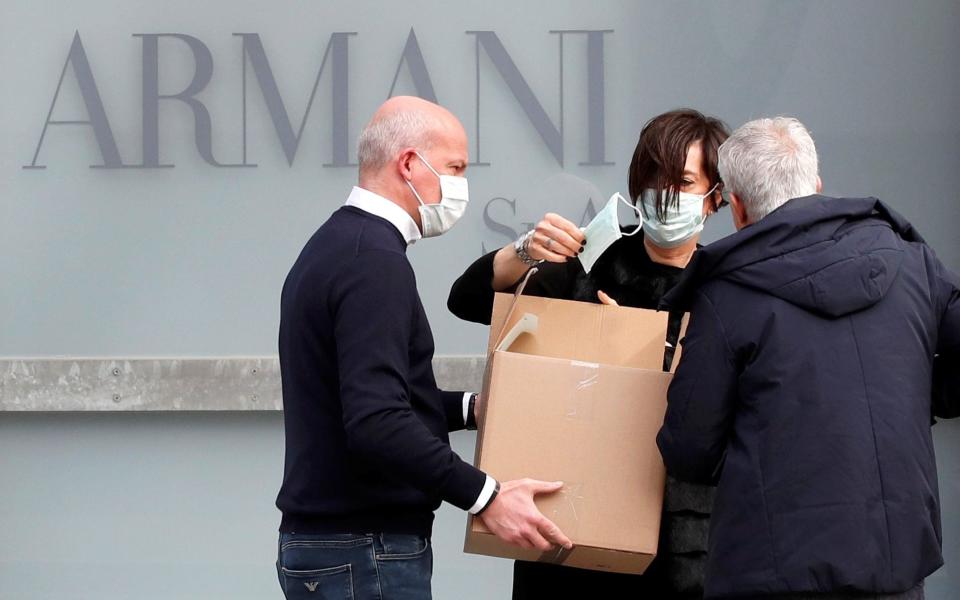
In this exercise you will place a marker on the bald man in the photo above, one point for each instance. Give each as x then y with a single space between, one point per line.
368 458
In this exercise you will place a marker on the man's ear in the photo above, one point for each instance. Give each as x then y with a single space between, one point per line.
405 163
739 212
819 184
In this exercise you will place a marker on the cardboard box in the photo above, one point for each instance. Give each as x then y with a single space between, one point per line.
578 397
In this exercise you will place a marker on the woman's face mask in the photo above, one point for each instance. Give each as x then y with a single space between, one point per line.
682 222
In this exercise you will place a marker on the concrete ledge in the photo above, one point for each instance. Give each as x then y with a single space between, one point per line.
170 384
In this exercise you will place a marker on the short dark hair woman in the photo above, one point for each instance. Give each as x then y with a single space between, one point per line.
674 184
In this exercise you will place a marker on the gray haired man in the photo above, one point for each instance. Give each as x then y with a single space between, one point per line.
824 335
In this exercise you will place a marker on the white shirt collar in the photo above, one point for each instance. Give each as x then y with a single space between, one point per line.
377 205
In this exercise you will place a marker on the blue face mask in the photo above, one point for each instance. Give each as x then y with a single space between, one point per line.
683 222
604 230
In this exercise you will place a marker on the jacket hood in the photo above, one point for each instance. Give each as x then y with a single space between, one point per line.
831 256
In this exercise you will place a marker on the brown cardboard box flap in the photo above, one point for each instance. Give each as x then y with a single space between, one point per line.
612 335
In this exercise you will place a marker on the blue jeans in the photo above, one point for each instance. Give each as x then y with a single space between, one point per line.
370 566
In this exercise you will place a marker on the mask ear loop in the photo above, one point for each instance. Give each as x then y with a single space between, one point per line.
711 191
432 170
425 163
639 216
414 190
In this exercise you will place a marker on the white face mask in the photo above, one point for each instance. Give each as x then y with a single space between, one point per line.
682 222
436 219
604 230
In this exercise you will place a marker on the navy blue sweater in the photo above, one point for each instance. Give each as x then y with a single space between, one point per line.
806 385
366 427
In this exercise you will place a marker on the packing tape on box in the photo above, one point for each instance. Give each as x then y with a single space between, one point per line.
582 396
572 494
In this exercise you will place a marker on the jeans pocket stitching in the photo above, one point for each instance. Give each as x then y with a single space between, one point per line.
347 569
406 556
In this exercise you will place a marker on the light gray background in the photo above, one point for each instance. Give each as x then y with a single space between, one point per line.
179 506
189 261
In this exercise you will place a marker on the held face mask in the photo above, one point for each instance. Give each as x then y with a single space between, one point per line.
454 195
604 230
682 222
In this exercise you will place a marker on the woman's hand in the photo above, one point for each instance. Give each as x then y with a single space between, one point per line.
605 299
555 239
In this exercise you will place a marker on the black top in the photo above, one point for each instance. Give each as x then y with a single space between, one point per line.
366 427
626 273
806 386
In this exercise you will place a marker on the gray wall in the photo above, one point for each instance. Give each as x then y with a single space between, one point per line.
179 506
167 506
188 261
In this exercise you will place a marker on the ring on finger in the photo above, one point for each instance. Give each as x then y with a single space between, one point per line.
549 242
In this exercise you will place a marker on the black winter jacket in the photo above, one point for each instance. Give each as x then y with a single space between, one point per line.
821 339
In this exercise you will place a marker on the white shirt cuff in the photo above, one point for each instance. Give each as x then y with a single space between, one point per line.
484 496
466 405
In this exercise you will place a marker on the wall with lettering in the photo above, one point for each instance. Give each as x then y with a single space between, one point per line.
162 165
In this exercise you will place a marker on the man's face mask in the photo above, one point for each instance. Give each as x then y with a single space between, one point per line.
604 230
683 222
436 219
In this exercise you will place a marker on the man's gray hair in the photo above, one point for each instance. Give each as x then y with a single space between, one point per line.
767 162
383 139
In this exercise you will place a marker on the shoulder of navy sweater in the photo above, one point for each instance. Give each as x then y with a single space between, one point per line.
350 230
349 236
371 231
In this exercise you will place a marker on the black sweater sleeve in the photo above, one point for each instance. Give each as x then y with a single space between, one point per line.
471 296
373 339
453 409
